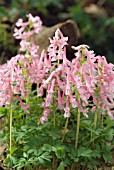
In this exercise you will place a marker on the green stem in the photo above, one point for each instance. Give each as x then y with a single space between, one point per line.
10 130
28 88
37 86
95 119
102 119
27 95
95 125
65 129
72 166
54 118
77 129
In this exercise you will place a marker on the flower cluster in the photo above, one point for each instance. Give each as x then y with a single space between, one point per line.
26 29
69 84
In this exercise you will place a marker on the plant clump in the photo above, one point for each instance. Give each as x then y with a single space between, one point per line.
79 94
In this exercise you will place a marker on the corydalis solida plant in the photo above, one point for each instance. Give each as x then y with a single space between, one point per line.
68 84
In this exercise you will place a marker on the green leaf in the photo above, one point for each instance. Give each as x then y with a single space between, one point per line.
24 72
86 153
77 73
41 160
76 159
107 158
46 147
86 122
30 151
108 148
110 135
95 154
25 155
80 151
18 135
52 69
61 166
54 134
96 132
60 152
10 161
91 167
13 150
46 156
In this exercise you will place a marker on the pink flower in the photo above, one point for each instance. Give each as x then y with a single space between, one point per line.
76 81
73 101
30 47
67 112
36 21
19 23
80 47
49 97
67 90
18 33
44 118
67 109
56 48
40 91
60 83
61 100
24 106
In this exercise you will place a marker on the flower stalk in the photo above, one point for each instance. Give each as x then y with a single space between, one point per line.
95 119
77 130
10 129
65 129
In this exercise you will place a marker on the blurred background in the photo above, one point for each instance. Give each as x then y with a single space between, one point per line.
95 19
